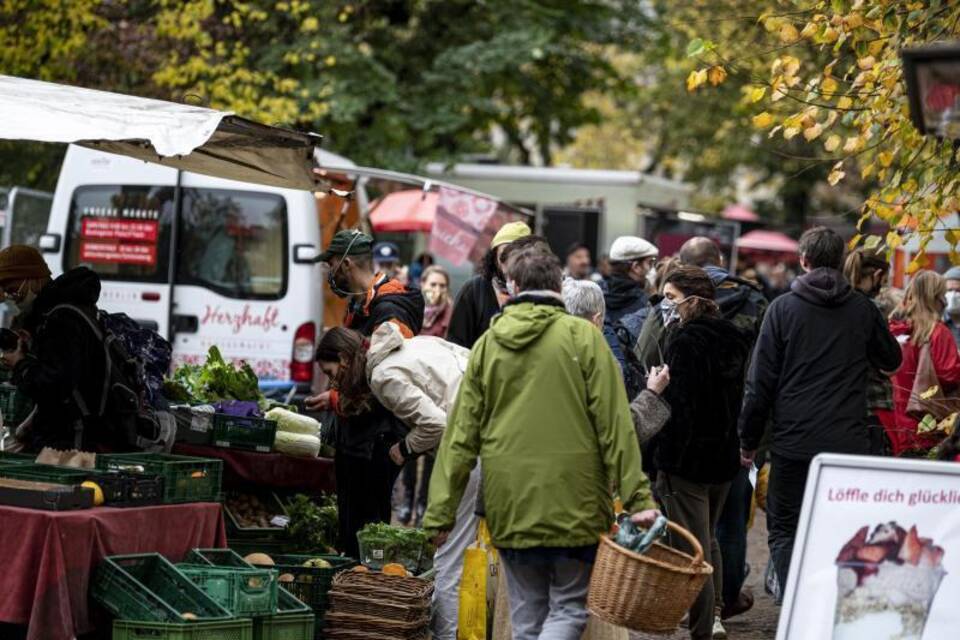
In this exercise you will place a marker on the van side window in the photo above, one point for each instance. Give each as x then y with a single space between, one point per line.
233 242
120 231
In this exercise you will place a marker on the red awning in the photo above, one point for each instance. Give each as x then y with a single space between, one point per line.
761 240
408 210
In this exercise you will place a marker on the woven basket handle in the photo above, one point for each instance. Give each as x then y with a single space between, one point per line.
689 537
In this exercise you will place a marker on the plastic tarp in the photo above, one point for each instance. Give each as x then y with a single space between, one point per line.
187 137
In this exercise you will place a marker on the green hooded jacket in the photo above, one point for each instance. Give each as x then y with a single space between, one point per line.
543 406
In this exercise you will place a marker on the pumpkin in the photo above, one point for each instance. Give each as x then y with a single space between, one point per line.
394 569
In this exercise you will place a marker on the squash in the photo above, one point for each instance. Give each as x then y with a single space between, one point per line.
360 569
296 444
261 559
394 569
291 422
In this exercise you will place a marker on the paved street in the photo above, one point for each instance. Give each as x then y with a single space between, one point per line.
760 623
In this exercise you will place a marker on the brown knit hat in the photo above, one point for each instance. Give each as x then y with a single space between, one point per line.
20 262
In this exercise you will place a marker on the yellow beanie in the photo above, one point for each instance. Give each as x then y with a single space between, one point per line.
510 232
20 262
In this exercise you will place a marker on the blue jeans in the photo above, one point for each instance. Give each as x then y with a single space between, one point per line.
732 535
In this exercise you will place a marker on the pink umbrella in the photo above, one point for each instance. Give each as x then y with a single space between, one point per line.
762 240
409 210
740 213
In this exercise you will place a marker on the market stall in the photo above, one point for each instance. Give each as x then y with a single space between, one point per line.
52 555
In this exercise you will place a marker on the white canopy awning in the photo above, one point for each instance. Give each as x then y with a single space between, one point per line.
182 136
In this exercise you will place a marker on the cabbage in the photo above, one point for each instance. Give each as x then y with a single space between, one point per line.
293 422
297 444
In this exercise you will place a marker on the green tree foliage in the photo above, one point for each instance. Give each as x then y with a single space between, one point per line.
388 82
829 74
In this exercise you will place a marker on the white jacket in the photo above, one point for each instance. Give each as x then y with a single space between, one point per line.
417 380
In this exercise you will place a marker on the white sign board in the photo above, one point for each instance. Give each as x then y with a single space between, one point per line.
877 553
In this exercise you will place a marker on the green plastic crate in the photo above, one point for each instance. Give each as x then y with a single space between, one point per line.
46 473
244 432
310 584
14 406
185 478
293 621
7 458
237 629
217 558
147 587
241 591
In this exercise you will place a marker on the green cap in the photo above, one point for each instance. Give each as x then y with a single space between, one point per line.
349 242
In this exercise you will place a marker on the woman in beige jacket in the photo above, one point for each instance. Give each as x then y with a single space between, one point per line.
417 380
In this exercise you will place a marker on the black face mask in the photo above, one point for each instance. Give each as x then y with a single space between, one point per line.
338 288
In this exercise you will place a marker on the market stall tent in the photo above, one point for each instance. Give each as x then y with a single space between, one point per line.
182 136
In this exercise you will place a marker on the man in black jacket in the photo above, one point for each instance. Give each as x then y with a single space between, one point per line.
482 296
810 368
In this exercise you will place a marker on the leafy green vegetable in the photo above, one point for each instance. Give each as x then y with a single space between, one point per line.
313 527
398 544
215 380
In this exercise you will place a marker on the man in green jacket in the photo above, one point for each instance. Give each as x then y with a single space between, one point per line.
544 409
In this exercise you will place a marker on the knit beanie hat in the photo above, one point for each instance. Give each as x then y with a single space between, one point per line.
20 262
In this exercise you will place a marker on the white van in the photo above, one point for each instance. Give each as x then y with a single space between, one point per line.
235 269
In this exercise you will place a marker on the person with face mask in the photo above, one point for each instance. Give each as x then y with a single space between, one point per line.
482 296
866 270
696 454
373 297
922 326
58 352
951 316
435 285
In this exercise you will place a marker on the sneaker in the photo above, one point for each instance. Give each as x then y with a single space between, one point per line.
719 633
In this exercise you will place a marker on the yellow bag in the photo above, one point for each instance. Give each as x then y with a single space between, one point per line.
479 564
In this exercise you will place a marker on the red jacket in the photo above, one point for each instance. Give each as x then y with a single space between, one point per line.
946 361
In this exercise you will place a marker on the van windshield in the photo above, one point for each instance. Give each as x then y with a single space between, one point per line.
231 242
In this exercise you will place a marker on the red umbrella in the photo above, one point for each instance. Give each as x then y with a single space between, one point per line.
762 240
740 213
409 210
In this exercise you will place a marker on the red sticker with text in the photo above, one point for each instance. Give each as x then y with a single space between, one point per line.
118 253
119 229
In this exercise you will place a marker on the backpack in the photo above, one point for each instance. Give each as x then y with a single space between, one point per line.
132 362
634 374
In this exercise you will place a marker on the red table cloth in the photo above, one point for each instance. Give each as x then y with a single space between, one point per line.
49 556
242 469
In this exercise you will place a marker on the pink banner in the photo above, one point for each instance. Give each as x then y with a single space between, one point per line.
459 221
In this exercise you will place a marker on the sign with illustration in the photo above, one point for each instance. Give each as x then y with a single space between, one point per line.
877 552
459 221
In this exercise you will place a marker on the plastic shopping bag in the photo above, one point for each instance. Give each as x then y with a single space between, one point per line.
480 565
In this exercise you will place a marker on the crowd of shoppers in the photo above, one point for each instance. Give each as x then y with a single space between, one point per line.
663 383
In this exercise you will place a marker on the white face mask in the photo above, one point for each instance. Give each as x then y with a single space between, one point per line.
670 312
511 288
953 302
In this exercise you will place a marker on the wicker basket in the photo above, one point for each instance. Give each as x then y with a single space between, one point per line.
649 592
349 603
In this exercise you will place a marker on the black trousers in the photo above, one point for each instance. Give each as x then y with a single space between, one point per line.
415 495
788 480
732 535
364 488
